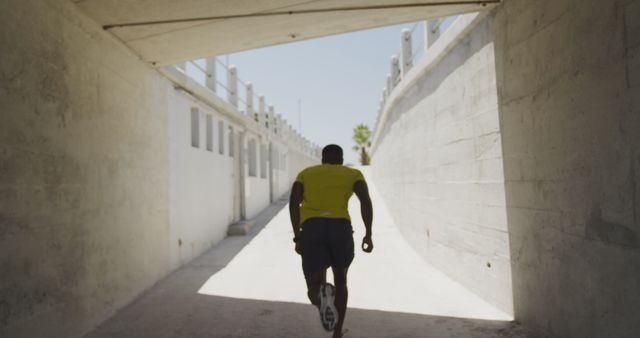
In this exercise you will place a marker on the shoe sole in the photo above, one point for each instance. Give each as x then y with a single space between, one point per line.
328 312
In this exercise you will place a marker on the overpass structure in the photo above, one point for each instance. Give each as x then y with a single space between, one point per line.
508 155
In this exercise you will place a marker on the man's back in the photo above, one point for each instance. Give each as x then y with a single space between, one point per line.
319 199
327 189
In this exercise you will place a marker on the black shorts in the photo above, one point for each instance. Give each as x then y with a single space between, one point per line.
326 242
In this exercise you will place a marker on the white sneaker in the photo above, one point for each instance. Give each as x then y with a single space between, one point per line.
328 312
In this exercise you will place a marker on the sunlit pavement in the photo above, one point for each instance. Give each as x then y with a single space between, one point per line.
253 287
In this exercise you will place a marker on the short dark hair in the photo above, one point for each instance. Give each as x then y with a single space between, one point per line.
332 154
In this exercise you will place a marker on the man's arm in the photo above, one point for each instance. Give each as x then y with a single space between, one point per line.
366 210
297 193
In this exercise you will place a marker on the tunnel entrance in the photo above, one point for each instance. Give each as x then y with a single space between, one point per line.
507 156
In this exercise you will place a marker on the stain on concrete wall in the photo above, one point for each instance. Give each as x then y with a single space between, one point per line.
609 232
570 116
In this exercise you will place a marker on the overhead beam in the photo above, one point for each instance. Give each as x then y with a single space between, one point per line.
300 12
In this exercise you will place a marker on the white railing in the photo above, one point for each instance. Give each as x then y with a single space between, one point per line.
414 45
222 79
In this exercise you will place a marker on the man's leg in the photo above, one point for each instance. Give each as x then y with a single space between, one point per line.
342 253
313 286
342 295
316 258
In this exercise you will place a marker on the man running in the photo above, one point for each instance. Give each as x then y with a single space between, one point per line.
323 233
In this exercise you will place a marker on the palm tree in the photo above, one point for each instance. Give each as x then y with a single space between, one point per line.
361 135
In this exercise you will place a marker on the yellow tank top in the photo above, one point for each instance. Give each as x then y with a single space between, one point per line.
327 189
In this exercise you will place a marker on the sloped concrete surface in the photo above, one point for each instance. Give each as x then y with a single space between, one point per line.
253 287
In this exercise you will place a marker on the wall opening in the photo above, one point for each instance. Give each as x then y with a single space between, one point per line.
263 161
221 137
209 132
195 127
231 142
253 154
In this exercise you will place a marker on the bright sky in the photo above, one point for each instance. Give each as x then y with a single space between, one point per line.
339 80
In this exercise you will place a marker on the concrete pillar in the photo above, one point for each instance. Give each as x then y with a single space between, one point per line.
260 116
283 127
379 114
406 50
269 117
249 99
242 157
274 120
232 86
432 32
210 67
271 168
395 71
389 86
277 125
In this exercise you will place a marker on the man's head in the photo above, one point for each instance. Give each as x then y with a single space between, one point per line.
332 154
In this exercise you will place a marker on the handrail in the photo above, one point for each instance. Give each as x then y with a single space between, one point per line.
437 26
219 83
413 28
200 68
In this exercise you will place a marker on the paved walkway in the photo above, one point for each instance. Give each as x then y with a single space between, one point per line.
253 287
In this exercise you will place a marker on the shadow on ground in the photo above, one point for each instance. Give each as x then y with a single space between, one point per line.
162 315
175 308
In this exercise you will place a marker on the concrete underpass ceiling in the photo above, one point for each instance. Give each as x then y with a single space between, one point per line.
236 25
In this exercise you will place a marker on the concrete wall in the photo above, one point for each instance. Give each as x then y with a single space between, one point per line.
296 161
568 100
201 186
84 214
438 162
285 169
257 187
569 93
101 192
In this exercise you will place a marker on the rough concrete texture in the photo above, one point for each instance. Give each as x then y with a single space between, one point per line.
568 102
570 117
91 211
438 163
83 172
236 290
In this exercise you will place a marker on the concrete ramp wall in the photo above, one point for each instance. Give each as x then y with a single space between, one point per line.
568 101
569 89
438 162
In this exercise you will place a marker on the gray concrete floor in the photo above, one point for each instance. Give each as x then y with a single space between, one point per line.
253 287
